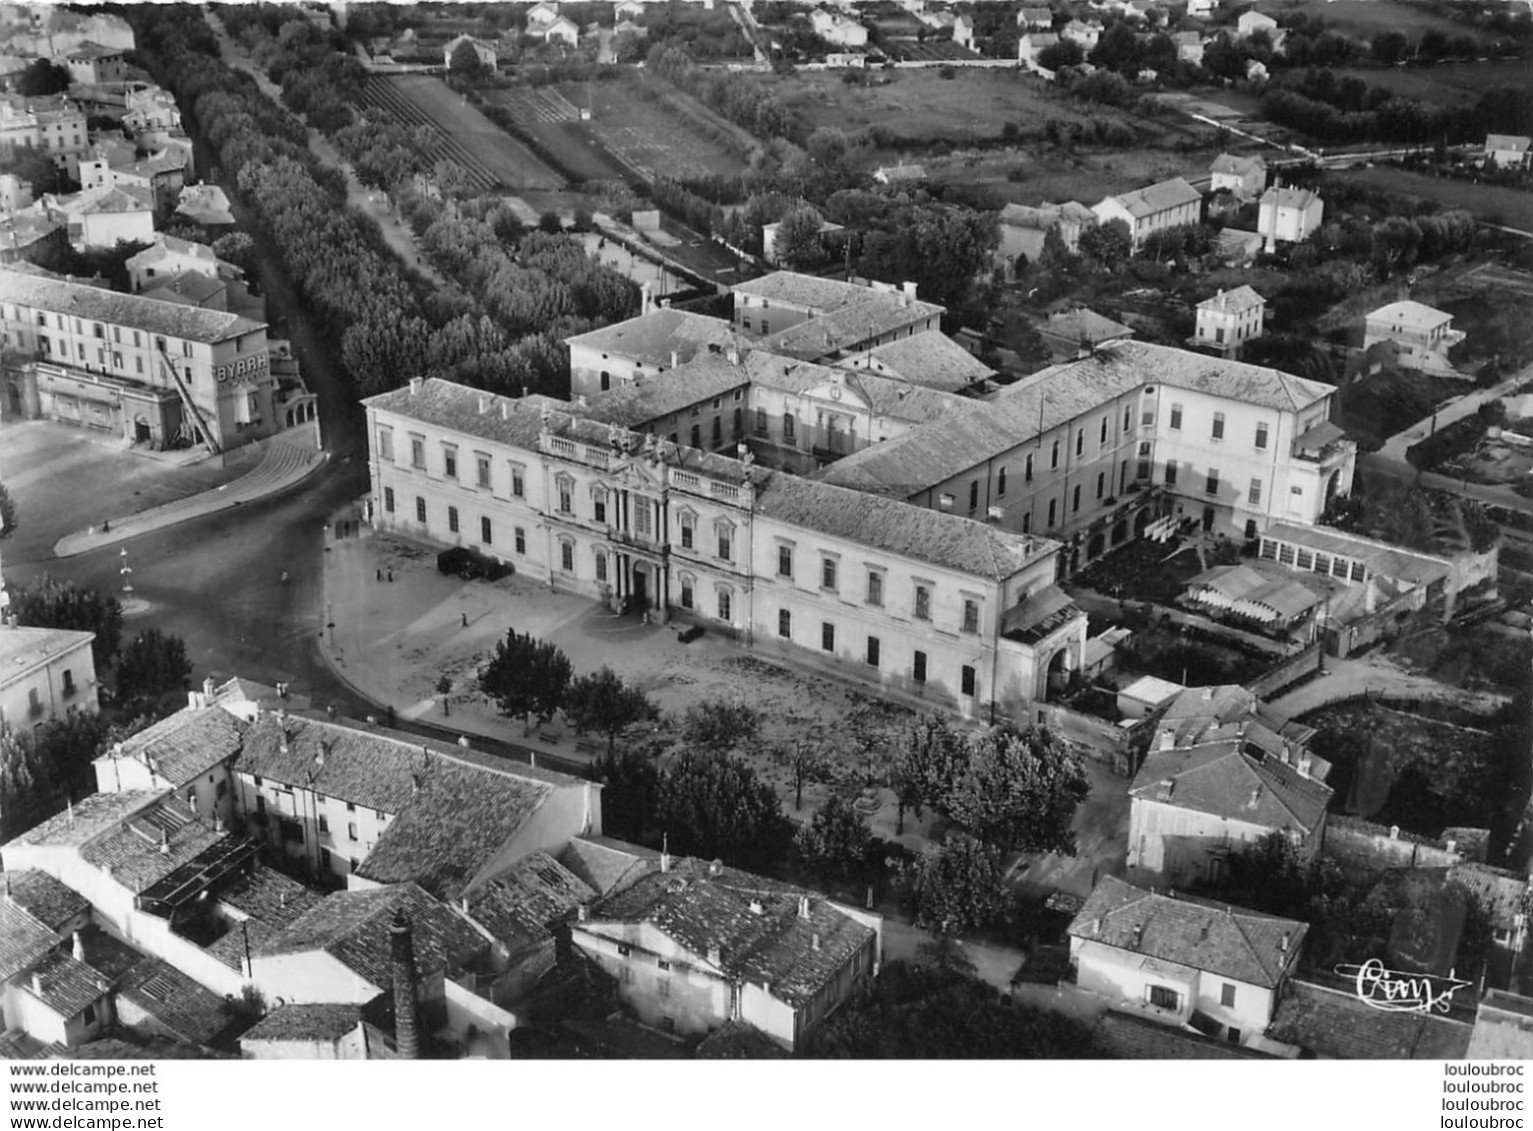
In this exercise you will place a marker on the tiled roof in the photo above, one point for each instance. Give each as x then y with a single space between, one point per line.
885 396
817 294
147 314
64 984
909 464
702 911
187 744
1333 1023
89 50
110 199
1413 315
1503 1028
353 928
1233 302
934 360
1157 198
23 939
879 313
1040 615
607 865
88 818
1085 325
1232 942
519 907
652 338
305 1023
1501 893
739 1040
22 649
190 287
171 245
266 902
1216 776
1284 597
1287 197
177 1003
16 1045
657 395
1126 1037
946 540
1228 162
151 844
51 902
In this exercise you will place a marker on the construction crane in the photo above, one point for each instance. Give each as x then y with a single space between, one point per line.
192 411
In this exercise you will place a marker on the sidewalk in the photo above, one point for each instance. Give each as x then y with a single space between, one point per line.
289 458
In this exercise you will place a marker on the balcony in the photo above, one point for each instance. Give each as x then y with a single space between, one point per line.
635 542
1324 443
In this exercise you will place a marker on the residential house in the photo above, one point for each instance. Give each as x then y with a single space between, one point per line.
1184 963
58 999
51 123
1084 32
1423 336
963 32
628 10
1237 248
563 30
151 109
1244 177
1200 9
695 945
162 175
169 256
15 193
1508 151
1288 215
38 914
206 205
190 752
835 28
1023 229
540 15
769 231
364 806
900 175
1035 18
1029 47
307 1032
1167 204
1094 449
32 235
816 573
148 371
628 352
1252 22
1189 46
1226 321
1206 791
45 674
1333 1023
108 215
1076 333
91 64
484 52
526 911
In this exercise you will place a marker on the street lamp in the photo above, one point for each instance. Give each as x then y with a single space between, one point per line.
126 571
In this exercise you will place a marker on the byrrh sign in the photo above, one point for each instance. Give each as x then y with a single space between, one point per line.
243 369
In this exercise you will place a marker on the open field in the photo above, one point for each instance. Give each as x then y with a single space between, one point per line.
554 122
1056 177
1491 203
469 138
921 106
649 136
1450 84
1363 19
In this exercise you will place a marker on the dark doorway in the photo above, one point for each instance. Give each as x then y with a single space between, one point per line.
641 587
141 433
1208 519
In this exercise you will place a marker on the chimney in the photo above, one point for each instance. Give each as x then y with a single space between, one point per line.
675 359
78 948
1450 845
1138 935
909 289
733 355
218 822
715 956
402 967
485 403
415 385
505 410
1256 796
1286 942
757 907
665 853
1167 738
207 687
814 941
463 741
37 983
1394 832
1304 766
803 907
1096 926
582 913
282 690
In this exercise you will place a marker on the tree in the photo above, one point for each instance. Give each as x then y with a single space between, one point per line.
1394 243
630 785
8 520
527 678
835 843
63 604
237 249
151 666
549 222
928 764
444 689
806 763
604 703
957 888
1110 244
465 61
1432 45
931 1008
1060 54
1389 47
715 806
33 167
1020 790
43 767
798 246
42 77
720 726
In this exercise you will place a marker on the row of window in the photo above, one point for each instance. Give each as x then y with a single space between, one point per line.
1211 484
97 330
454 521
1217 430
873 592
873 653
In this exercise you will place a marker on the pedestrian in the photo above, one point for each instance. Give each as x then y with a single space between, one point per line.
380 573
391 576
465 619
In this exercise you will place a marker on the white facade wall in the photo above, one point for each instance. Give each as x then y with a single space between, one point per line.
310 977
64 682
1290 224
352 1046
1228 329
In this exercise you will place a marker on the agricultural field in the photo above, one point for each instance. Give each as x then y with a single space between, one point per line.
553 120
1022 176
1448 84
921 106
653 138
468 138
1494 204
1363 19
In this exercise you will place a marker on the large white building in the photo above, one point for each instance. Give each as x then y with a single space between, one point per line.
45 673
1168 204
1094 449
50 123
152 372
931 605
